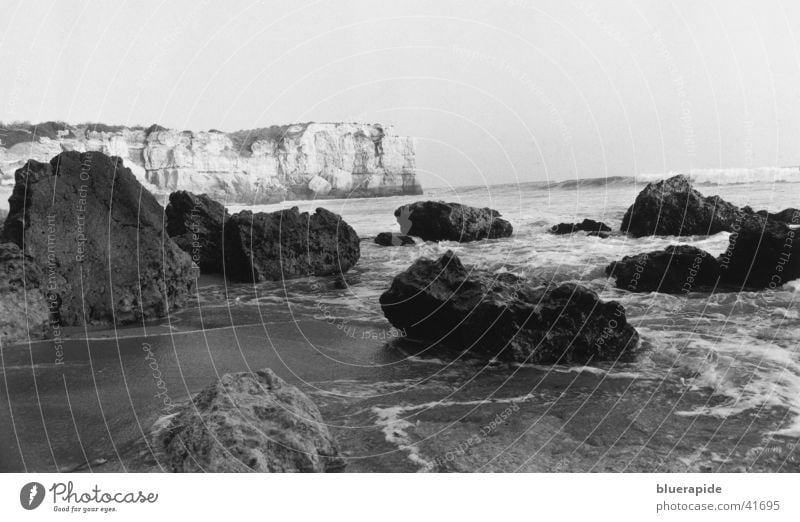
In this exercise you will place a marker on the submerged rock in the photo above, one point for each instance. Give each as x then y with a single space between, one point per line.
24 309
506 317
100 234
393 239
761 254
287 244
676 269
195 223
439 221
587 225
673 208
248 422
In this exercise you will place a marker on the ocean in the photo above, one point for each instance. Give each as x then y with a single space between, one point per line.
717 387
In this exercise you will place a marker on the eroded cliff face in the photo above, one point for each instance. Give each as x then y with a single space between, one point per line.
301 161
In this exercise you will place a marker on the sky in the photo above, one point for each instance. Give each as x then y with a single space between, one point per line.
492 91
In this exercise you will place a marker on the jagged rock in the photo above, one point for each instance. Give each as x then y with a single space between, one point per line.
790 216
195 223
24 309
504 316
673 208
393 239
248 422
676 269
102 235
319 186
587 225
761 254
439 221
287 244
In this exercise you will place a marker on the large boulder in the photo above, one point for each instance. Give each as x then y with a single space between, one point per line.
248 422
587 225
439 221
24 309
102 235
195 223
761 254
676 269
506 317
287 244
673 208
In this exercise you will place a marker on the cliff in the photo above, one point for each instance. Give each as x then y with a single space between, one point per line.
299 161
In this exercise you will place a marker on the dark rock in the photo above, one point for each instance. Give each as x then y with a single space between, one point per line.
673 208
587 225
504 316
761 254
676 269
248 422
601 235
790 216
101 236
392 239
287 244
195 223
439 221
24 309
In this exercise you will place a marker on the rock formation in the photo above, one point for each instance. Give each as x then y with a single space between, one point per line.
676 269
247 422
506 317
761 254
287 244
300 161
196 224
587 225
439 221
99 236
673 208
24 309
790 216
393 239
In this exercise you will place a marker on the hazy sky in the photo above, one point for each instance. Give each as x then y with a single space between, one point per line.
494 91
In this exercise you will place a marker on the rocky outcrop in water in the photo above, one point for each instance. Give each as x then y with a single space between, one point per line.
195 223
248 422
503 316
587 225
24 309
99 237
673 208
287 244
439 221
676 269
393 239
790 216
761 254
298 161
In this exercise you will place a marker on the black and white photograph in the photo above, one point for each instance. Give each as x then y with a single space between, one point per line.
554 239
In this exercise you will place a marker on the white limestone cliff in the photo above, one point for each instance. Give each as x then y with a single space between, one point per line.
297 161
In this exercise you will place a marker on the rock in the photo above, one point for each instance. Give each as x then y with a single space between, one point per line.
287 244
506 317
250 166
790 216
393 239
587 225
601 235
195 223
673 208
439 221
24 308
101 235
248 422
319 186
761 254
676 269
